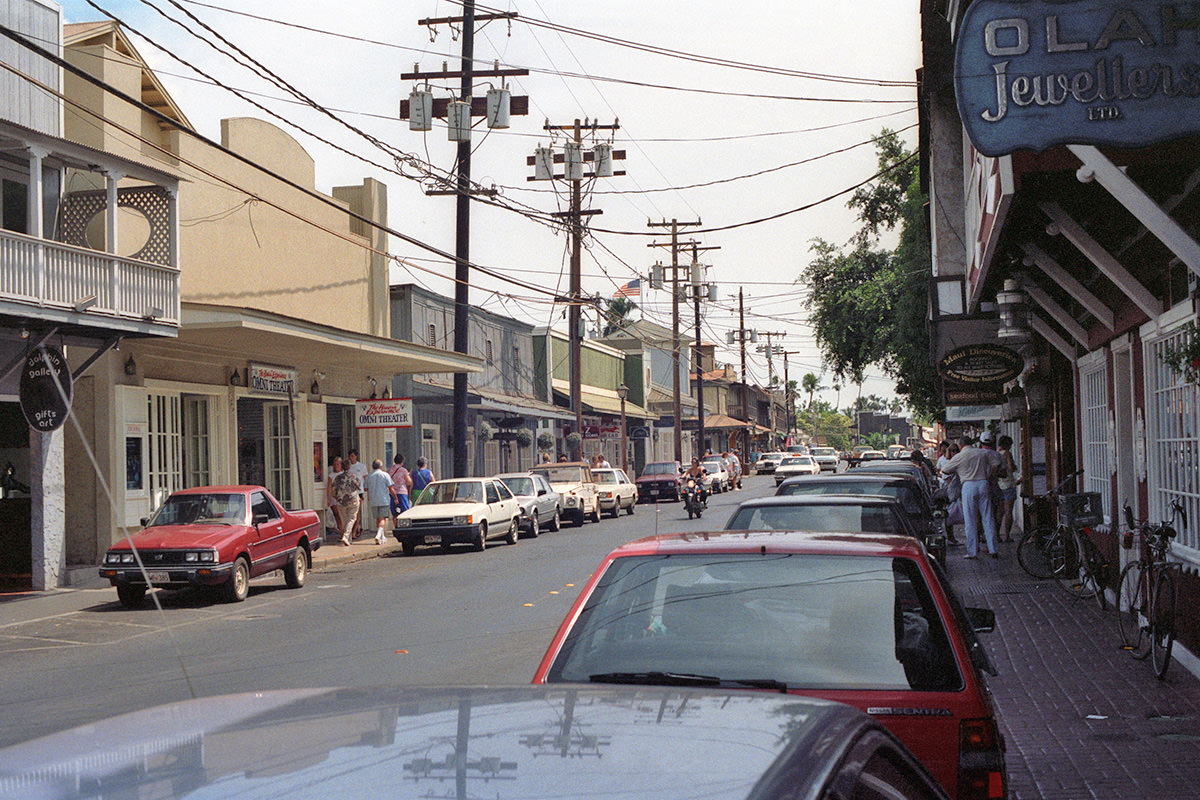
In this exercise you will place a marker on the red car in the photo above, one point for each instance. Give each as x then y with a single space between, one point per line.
867 620
213 536
659 481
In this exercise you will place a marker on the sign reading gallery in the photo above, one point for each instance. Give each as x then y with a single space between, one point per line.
1038 73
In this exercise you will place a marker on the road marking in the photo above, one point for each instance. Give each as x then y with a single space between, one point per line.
529 605
400 652
553 591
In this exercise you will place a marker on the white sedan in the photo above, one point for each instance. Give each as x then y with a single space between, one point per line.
718 476
796 465
467 510
615 490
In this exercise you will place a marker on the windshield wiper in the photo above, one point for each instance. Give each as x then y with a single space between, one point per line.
685 679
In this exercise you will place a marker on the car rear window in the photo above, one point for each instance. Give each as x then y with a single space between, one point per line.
820 518
809 621
903 493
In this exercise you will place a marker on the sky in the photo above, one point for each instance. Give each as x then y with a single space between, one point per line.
765 143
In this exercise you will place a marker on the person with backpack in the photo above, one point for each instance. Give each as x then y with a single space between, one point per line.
422 476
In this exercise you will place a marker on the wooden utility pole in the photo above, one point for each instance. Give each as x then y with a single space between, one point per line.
745 379
462 189
697 286
676 346
771 349
575 293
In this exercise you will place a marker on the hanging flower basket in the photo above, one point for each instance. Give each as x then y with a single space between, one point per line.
573 441
524 438
1185 359
545 441
486 432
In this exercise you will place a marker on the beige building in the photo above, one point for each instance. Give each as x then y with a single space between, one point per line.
283 317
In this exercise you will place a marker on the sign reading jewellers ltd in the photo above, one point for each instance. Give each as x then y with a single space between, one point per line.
977 364
271 380
389 412
1038 73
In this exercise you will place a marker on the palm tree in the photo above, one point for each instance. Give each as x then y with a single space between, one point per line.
812 385
617 315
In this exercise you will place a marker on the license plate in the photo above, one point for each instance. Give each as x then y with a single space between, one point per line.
433 540
159 577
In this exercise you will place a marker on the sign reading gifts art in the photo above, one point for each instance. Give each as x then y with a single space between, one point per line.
1038 73
389 412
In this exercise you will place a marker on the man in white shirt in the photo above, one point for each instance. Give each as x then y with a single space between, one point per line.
975 467
381 490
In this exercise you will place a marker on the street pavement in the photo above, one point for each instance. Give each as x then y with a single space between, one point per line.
1081 718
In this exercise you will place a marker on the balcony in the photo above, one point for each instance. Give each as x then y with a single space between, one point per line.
47 280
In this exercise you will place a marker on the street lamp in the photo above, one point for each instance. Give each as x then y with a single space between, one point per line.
623 392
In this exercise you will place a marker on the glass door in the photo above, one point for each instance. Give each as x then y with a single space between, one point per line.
278 452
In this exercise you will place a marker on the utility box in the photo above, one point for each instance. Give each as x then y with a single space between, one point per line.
499 102
458 121
420 110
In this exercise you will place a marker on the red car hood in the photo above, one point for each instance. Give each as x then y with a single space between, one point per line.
180 537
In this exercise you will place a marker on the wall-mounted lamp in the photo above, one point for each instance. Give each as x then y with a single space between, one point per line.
316 386
84 303
152 313
371 381
235 378
130 366
387 391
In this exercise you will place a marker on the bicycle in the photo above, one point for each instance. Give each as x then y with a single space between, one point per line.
1065 552
1146 592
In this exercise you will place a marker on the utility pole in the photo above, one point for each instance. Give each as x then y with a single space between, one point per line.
676 346
741 336
573 160
771 349
462 245
699 287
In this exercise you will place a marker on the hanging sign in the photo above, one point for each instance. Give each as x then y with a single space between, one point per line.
45 389
977 364
271 380
1038 73
388 412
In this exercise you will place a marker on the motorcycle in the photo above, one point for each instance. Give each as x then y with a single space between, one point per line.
693 500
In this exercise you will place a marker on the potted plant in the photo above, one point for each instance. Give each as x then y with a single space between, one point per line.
574 440
486 431
1185 359
524 438
545 441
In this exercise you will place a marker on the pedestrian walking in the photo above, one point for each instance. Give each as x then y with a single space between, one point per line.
346 490
987 441
422 476
360 471
401 482
1008 488
975 467
380 493
335 469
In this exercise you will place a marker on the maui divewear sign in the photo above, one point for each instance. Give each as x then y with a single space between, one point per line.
1037 73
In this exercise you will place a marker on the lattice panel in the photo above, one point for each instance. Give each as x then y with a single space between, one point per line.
80 208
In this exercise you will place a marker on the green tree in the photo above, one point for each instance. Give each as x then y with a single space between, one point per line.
869 303
617 314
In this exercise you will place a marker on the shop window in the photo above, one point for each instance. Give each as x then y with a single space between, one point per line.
487 351
431 448
1093 390
278 452
163 463
1172 437
197 442
432 340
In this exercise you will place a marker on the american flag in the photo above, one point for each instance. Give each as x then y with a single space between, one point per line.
631 289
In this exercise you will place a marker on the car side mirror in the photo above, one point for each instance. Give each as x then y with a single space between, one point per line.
259 519
983 620
541 492
144 521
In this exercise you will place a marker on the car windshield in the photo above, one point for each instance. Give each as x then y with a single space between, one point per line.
664 468
807 621
563 474
790 460
712 465
193 509
519 486
816 517
900 491
452 492
823 451
604 476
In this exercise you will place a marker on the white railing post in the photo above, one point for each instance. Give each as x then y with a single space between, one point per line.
36 228
110 240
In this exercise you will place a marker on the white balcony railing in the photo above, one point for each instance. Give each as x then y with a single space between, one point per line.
49 274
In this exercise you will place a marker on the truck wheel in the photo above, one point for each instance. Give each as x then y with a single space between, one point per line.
480 542
296 569
237 588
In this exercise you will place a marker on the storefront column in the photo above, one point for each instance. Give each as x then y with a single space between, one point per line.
48 515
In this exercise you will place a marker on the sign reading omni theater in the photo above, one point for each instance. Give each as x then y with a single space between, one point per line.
271 380
390 412
1036 73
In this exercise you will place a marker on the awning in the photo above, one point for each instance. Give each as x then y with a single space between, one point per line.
242 333
602 401
517 406
720 421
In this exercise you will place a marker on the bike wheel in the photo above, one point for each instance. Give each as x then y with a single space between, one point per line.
1076 576
1096 566
1131 603
1162 621
1032 552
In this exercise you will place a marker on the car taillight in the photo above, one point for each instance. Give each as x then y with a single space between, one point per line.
980 761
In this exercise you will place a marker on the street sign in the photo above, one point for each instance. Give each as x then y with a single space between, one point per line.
44 404
665 421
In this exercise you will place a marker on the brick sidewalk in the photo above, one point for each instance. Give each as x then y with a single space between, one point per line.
1082 719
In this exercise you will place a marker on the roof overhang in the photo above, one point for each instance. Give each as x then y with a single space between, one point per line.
244 333
602 401
80 156
516 406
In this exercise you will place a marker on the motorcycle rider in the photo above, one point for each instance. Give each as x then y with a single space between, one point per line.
697 471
